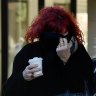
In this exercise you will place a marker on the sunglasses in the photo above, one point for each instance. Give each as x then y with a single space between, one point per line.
68 36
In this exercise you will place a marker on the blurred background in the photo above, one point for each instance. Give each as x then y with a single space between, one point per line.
17 15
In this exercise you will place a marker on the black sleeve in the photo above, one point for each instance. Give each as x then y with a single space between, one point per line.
88 70
16 84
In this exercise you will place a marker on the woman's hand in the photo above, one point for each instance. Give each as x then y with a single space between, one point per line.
63 50
28 73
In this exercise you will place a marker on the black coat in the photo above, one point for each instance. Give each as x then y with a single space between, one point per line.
57 78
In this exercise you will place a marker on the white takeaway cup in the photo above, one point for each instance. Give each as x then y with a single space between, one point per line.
37 60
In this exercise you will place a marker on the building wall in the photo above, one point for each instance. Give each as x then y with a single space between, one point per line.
92 28
32 10
82 18
0 47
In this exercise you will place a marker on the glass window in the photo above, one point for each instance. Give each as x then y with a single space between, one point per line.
61 3
82 18
0 47
20 15
17 24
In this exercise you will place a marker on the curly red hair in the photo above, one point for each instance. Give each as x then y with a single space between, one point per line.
53 19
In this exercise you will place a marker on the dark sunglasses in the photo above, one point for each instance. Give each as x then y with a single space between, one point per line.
68 36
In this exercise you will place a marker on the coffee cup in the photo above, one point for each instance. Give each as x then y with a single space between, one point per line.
37 60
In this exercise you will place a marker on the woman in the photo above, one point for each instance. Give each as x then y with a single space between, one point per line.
66 65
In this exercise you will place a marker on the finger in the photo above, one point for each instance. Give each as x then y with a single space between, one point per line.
65 42
31 66
29 78
61 43
70 44
59 48
37 75
29 74
35 70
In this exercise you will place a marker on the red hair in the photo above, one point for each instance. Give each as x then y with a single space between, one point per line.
53 19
